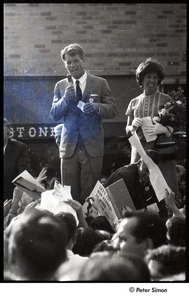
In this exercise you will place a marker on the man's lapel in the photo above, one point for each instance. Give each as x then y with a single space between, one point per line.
88 88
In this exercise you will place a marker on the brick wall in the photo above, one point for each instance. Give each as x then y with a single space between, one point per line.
116 37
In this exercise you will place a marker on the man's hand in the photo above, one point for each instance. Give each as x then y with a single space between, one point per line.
170 202
42 175
69 94
90 108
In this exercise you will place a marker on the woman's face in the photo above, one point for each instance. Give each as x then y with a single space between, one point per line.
150 82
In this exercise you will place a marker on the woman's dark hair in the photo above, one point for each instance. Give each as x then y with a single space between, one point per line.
147 67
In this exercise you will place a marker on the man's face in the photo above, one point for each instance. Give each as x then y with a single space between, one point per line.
6 134
124 238
74 65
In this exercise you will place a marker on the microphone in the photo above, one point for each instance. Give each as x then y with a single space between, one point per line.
69 78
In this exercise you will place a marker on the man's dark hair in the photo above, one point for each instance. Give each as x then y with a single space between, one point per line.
41 240
171 259
73 49
70 221
149 225
176 231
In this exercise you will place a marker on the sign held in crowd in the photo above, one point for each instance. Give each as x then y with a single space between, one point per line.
109 202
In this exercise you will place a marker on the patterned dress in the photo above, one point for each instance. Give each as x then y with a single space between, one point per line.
144 106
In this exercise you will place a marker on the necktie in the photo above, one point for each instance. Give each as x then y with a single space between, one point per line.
78 92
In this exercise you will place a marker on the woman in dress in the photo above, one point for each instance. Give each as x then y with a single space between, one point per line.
149 75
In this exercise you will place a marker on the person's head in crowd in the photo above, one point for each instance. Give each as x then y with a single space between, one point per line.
6 133
108 268
181 173
58 131
167 262
101 223
85 240
139 231
50 183
103 234
147 67
70 221
103 179
176 231
105 245
36 245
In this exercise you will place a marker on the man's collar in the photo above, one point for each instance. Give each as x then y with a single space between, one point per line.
81 79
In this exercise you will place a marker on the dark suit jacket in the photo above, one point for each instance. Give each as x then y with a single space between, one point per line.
141 196
89 126
16 160
130 175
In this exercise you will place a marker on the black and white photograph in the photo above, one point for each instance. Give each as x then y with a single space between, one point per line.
95 148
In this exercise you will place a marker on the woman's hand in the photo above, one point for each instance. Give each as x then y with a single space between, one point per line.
137 122
155 129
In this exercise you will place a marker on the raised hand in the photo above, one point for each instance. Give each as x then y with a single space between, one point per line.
69 94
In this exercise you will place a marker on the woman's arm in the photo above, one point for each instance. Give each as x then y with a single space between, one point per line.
132 124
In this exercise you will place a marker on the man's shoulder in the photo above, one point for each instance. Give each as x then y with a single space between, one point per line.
61 81
95 77
130 168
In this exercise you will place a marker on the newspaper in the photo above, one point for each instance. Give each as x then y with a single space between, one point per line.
101 204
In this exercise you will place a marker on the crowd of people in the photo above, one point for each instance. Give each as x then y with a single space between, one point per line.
43 245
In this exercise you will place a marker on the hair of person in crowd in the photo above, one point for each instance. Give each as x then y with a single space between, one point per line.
102 246
37 244
166 261
101 223
122 268
176 231
86 239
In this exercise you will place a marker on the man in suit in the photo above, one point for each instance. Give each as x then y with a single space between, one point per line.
136 178
16 160
80 106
